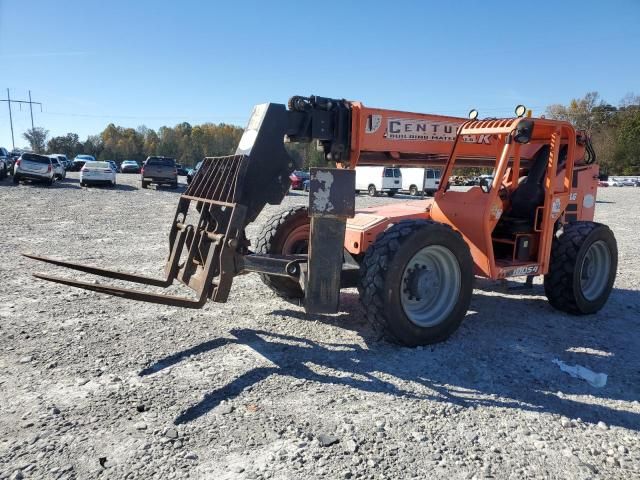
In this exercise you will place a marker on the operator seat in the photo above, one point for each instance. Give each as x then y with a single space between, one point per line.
530 192
527 197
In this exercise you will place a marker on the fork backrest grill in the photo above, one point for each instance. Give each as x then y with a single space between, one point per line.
219 179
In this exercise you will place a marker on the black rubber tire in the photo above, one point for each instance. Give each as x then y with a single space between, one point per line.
381 280
145 185
3 173
16 179
174 185
391 193
271 241
413 190
562 283
371 190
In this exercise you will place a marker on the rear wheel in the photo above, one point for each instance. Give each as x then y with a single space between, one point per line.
174 185
582 269
391 193
16 178
413 190
285 233
145 184
372 190
416 282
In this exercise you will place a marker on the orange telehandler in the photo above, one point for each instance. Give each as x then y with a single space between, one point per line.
413 263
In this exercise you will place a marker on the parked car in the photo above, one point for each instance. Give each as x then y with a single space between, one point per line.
79 162
129 166
31 166
181 170
378 179
191 173
159 170
14 155
114 165
613 182
93 173
64 161
4 163
59 171
297 179
626 182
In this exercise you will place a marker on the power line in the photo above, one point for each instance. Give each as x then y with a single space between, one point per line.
30 102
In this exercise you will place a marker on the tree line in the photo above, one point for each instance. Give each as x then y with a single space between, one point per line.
615 133
187 143
614 130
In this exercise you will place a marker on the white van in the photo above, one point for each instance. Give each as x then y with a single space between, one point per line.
412 178
378 179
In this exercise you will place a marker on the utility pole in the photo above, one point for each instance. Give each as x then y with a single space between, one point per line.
31 110
31 103
13 142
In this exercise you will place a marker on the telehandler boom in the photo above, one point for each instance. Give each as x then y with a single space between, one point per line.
413 263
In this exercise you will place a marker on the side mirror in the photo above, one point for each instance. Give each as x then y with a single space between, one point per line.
485 184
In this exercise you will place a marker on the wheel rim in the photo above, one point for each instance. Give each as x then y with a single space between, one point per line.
297 242
372 191
594 271
431 284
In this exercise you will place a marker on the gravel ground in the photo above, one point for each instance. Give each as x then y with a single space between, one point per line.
94 386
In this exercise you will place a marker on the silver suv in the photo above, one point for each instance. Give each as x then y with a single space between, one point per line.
31 166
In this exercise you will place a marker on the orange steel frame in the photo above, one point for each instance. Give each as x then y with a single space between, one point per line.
474 213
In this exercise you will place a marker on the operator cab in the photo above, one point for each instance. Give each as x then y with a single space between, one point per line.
509 218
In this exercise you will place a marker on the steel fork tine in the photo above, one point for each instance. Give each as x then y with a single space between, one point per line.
129 277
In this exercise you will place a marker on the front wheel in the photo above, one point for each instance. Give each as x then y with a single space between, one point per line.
413 190
145 184
416 282
285 233
391 193
372 191
582 268
16 178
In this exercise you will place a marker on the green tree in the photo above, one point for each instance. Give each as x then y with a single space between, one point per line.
37 138
68 144
627 153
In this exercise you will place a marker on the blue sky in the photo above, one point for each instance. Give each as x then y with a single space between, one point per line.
163 62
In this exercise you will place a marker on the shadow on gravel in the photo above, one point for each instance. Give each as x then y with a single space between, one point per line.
182 187
501 357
